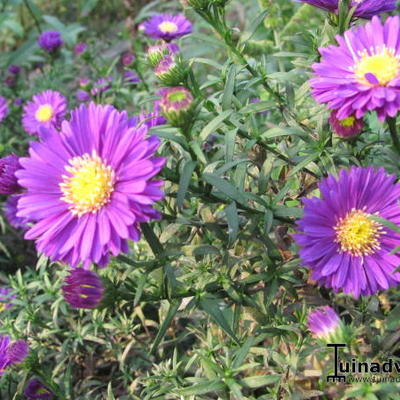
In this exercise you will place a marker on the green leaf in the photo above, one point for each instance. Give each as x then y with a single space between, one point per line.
254 26
233 223
254 382
257 107
184 181
214 124
229 87
173 309
202 388
212 306
225 187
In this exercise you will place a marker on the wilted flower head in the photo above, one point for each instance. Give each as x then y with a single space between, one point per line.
8 181
11 352
101 85
3 108
50 41
82 96
80 48
323 321
167 26
5 297
157 52
10 211
364 8
346 248
82 289
14 69
35 390
348 127
88 187
363 73
127 59
45 110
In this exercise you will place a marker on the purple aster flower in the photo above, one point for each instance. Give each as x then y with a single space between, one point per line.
3 108
131 77
323 321
157 52
101 85
10 211
45 110
127 59
35 390
50 41
82 289
345 248
363 73
346 128
5 297
11 352
8 181
82 95
14 69
167 26
80 48
89 186
364 8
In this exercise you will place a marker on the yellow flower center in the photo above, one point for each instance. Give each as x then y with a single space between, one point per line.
44 113
358 234
378 68
90 185
2 307
347 122
42 391
168 27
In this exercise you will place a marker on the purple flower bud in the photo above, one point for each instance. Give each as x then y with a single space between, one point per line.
3 108
35 390
10 81
82 289
14 69
127 59
50 41
101 85
82 95
323 321
5 297
17 351
83 82
80 48
131 77
8 181
346 128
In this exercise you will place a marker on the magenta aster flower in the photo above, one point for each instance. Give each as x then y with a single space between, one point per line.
346 128
50 41
11 352
167 26
364 8
363 73
82 289
8 181
5 297
89 186
323 321
35 390
346 249
10 211
3 108
45 110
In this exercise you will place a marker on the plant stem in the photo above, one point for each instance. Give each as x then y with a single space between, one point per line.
393 133
36 21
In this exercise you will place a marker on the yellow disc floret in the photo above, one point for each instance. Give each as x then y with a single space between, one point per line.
168 27
89 186
383 64
358 234
347 122
44 113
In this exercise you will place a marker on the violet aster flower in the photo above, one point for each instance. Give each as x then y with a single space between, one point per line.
101 85
167 26
3 108
11 352
364 8
346 128
80 48
345 248
14 69
35 390
10 211
82 289
131 77
8 181
5 297
89 186
363 73
82 95
45 110
323 321
50 41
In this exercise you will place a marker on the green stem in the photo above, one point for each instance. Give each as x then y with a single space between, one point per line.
37 23
393 133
